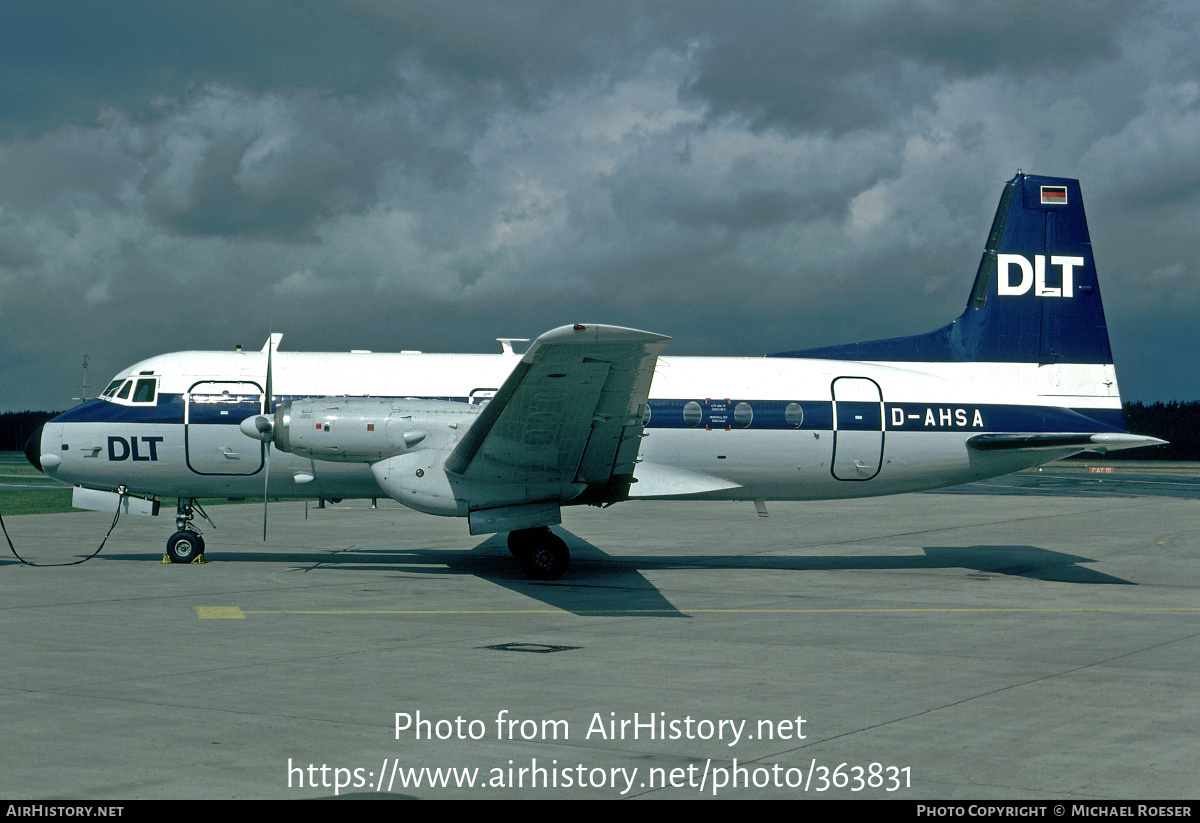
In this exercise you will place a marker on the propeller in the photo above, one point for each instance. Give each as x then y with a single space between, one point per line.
269 408
262 426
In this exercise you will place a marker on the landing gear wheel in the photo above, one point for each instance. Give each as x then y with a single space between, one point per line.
518 544
185 546
542 554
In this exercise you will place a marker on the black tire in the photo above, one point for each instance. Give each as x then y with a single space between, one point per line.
543 555
520 541
185 547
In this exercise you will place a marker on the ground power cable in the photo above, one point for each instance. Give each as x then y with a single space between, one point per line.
117 516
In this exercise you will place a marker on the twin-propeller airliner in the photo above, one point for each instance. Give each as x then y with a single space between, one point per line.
593 414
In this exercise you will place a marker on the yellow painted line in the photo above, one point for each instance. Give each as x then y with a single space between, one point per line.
233 612
220 613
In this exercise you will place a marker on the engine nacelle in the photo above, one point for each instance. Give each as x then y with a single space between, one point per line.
362 429
419 481
407 442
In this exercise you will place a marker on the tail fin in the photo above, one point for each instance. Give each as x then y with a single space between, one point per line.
1035 299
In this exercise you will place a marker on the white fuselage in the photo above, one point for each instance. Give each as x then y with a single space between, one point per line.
775 428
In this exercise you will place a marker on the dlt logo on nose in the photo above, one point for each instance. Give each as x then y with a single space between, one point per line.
1035 275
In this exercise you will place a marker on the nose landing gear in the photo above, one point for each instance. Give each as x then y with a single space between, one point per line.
186 545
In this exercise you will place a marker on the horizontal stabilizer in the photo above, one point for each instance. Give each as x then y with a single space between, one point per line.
1103 442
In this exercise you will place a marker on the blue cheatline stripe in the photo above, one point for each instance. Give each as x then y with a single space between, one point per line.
168 409
719 413
910 417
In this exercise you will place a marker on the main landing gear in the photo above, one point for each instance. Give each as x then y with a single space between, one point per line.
186 545
542 554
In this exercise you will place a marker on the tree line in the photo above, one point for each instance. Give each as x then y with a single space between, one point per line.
15 427
1176 422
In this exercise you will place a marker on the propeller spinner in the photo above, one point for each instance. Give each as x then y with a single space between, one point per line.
260 427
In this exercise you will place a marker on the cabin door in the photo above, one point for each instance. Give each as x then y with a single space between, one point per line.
857 428
212 411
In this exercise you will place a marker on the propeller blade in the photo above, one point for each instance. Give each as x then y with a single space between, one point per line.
269 405
266 482
265 425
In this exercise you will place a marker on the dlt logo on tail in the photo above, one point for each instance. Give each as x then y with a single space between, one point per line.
1035 274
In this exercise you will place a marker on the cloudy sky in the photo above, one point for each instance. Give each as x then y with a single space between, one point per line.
746 177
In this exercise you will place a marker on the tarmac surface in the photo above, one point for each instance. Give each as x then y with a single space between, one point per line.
1035 637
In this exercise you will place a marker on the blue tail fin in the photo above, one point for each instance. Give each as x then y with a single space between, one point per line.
1035 300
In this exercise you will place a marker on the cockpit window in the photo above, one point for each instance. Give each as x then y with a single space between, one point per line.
145 390
135 389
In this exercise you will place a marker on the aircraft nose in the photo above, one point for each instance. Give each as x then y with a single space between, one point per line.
33 448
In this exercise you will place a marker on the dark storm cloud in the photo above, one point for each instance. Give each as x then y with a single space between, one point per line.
745 177
513 44
235 164
844 66
62 60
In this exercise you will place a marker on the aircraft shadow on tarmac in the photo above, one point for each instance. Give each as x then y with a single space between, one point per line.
600 584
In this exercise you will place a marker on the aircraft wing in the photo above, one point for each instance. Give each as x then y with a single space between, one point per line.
571 412
1103 442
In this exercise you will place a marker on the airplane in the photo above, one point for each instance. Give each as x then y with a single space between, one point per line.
593 415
